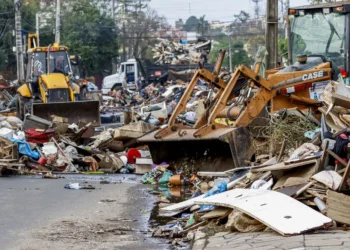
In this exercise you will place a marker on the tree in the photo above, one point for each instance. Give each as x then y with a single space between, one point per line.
202 26
90 33
191 24
141 27
7 42
238 54
242 17
254 43
239 23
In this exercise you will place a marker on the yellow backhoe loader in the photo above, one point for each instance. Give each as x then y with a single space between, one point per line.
49 88
318 57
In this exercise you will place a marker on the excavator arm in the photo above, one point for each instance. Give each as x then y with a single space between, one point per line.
268 89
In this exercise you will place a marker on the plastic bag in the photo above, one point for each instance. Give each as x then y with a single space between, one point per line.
14 121
146 177
72 186
191 220
24 149
124 171
165 178
130 167
219 188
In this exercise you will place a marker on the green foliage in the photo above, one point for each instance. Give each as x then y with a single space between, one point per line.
254 43
86 30
202 26
7 41
238 54
282 46
242 17
90 33
191 24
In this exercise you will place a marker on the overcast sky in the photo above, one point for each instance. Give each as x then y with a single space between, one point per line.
221 10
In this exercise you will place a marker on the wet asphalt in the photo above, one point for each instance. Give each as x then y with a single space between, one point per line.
33 210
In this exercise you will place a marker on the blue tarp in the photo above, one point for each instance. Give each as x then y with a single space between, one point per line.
24 149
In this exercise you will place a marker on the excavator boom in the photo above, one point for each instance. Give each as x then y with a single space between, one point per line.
208 136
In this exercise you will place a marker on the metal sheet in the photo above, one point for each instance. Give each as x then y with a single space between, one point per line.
283 214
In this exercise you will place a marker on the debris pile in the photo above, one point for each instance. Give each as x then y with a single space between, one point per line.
171 52
297 182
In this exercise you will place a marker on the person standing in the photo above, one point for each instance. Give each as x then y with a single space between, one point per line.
125 83
139 84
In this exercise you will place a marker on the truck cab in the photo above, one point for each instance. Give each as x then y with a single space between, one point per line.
128 69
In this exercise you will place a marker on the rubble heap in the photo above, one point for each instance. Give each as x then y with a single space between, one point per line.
298 181
171 52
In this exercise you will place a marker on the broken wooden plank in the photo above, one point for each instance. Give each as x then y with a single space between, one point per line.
341 161
283 148
344 180
292 190
213 174
283 166
338 207
323 158
301 190
133 131
216 213
304 172
339 100
269 162
281 213
329 178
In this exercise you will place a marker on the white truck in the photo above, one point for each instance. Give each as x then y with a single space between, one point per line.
133 68
127 69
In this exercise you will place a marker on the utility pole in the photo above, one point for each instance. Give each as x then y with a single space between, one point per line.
19 44
271 33
113 10
37 27
230 52
58 22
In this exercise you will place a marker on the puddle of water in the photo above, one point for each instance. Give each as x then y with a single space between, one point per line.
174 195
112 178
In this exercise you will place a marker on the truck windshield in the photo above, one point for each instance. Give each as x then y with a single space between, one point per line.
319 34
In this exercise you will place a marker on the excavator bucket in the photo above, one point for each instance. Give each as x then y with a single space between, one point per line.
222 149
80 111
225 149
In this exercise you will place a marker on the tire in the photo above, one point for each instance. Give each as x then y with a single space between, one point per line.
83 93
116 87
23 106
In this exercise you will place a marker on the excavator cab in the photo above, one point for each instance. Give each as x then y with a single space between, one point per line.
318 31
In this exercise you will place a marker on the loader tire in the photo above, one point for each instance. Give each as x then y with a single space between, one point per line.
117 87
23 106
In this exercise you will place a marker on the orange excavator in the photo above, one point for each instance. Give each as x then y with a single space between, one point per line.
318 58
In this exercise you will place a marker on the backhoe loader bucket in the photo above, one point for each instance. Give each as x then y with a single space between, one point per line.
224 149
80 111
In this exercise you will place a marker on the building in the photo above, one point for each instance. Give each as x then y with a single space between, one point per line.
179 24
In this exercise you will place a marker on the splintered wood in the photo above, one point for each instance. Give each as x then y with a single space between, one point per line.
8 149
338 207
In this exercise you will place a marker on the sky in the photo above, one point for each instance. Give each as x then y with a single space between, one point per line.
218 10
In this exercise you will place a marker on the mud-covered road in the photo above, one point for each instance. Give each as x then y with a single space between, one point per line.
41 214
